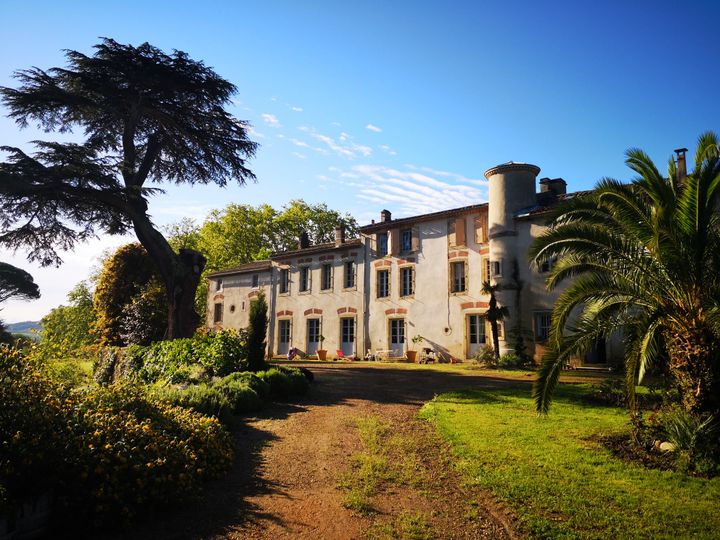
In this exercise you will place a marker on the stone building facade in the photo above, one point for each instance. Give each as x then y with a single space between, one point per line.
415 276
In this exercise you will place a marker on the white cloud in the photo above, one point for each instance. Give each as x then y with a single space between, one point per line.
345 147
374 128
300 143
271 120
409 189
299 155
297 109
385 148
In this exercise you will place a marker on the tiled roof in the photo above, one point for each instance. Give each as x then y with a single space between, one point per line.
318 248
423 217
243 268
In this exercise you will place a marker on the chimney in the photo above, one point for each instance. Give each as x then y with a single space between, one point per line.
303 240
681 164
556 186
339 235
385 216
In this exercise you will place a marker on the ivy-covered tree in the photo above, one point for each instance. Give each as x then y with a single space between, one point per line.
148 116
257 332
128 277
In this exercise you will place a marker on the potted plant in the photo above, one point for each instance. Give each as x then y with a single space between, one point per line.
321 353
411 353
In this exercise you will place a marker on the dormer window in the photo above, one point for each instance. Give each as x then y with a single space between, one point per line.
255 281
218 285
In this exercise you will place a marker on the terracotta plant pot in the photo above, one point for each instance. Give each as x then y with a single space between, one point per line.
411 355
321 354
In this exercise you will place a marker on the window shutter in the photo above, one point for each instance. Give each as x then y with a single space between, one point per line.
416 239
479 231
412 279
395 242
460 232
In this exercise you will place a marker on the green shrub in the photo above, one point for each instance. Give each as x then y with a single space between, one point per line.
235 394
242 397
177 361
285 381
201 398
262 388
486 357
222 352
511 361
696 439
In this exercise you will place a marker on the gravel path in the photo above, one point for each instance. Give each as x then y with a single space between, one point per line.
289 461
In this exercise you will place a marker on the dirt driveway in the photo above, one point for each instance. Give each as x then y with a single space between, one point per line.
290 462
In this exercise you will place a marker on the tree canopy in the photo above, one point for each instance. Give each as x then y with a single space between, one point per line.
147 116
241 233
641 259
66 328
16 283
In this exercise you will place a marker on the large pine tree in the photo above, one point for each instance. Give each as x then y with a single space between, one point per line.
147 117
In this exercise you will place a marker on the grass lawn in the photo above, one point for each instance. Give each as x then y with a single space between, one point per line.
560 482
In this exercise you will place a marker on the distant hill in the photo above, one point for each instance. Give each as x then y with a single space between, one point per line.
25 327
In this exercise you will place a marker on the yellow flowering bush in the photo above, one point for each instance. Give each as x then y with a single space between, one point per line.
31 427
132 451
109 451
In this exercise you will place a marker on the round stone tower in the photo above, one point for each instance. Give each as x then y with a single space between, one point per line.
512 193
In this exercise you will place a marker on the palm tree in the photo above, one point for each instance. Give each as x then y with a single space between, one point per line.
642 259
494 314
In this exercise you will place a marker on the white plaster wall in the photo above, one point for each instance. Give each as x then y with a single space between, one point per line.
235 292
329 302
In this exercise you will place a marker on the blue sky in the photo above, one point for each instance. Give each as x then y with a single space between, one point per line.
400 105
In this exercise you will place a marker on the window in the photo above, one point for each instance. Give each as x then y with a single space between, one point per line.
304 279
496 268
218 313
284 331
480 237
218 285
406 240
476 329
313 330
407 281
255 281
485 269
349 279
284 281
542 326
383 283
348 330
397 332
382 244
326 277
457 284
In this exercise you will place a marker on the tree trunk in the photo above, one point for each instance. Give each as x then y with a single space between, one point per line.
180 273
694 363
495 338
